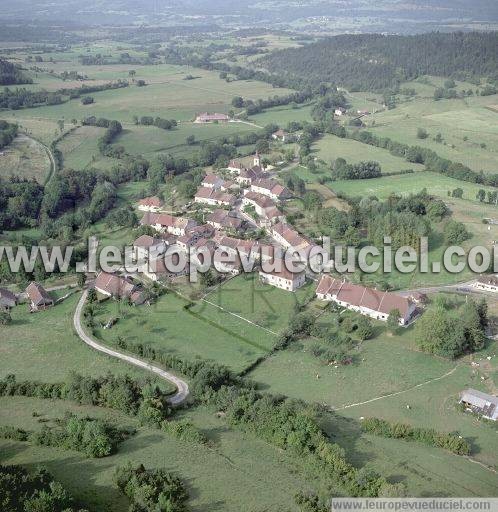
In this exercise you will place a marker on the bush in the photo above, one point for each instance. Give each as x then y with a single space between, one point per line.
451 442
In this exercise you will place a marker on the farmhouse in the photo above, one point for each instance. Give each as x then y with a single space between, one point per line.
210 196
221 219
206 117
287 236
112 285
480 403
247 176
271 188
366 301
339 111
280 135
163 268
7 299
39 297
150 204
283 278
212 181
487 283
163 222
146 246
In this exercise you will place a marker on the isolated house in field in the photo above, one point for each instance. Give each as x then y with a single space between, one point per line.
39 297
488 283
480 403
146 247
366 301
150 204
206 117
283 278
118 287
7 299
271 188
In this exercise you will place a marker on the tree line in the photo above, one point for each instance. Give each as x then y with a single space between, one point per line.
8 132
377 62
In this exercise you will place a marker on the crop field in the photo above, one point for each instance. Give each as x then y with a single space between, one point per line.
330 147
202 331
25 158
256 476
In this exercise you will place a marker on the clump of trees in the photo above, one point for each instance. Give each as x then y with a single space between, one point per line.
8 132
28 492
10 74
453 332
341 170
151 490
452 442
159 122
184 430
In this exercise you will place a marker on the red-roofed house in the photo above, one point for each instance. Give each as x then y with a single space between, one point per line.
146 246
119 287
271 188
367 301
168 223
150 204
39 297
210 196
283 278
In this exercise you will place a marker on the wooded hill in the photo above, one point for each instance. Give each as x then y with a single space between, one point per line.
376 62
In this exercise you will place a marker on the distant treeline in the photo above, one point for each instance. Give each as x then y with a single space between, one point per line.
10 74
378 62
18 98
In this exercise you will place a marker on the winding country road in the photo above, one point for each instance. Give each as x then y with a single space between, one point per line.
182 387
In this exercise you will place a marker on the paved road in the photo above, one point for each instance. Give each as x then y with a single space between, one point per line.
182 386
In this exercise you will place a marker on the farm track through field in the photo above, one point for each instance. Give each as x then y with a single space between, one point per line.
182 387
397 393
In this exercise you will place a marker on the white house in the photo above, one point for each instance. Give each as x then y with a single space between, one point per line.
212 181
271 188
210 196
283 278
339 111
366 301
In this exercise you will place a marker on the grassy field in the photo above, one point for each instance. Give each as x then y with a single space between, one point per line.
429 386
257 477
330 147
265 305
25 158
405 184
149 140
203 332
464 124
43 346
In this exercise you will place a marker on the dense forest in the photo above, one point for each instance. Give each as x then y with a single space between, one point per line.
10 74
376 62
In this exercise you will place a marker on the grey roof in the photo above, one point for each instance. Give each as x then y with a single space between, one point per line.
487 404
7 298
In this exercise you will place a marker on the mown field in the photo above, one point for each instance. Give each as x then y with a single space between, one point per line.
405 184
26 158
330 147
202 332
